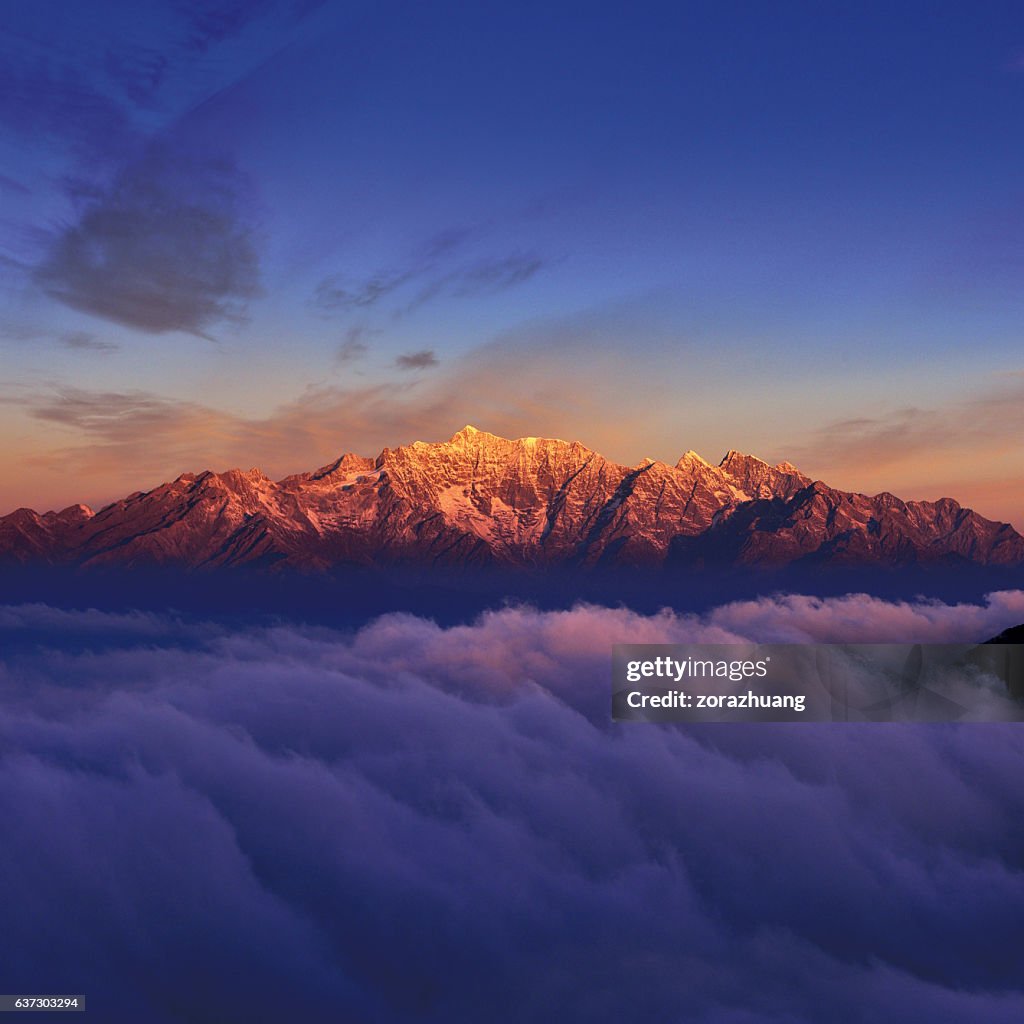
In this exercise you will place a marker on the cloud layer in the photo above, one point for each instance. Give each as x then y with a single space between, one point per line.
417 823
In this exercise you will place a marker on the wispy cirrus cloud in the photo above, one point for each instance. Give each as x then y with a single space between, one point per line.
941 447
443 267
424 359
354 346
60 104
78 341
485 276
335 293
83 341
105 70
207 24
13 186
107 414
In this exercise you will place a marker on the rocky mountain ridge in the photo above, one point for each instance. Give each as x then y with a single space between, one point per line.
483 500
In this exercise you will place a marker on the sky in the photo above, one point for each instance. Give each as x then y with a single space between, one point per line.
266 232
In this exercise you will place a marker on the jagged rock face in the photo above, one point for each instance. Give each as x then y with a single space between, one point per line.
26 536
824 525
479 499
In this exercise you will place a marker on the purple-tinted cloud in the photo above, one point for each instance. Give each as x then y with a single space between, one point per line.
83 341
424 359
442 266
354 346
417 823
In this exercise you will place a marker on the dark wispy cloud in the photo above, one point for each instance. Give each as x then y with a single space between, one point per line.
138 72
353 345
107 414
492 275
486 276
963 447
80 341
83 341
11 330
167 247
20 267
209 23
335 293
421 360
443 266
445 243
37 100
338 292
441 824
988 420
114 62
16 187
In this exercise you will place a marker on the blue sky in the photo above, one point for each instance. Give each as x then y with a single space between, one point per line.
268 232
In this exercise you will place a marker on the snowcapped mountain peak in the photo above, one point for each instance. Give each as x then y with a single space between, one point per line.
481 499
471 435
690 457
733 458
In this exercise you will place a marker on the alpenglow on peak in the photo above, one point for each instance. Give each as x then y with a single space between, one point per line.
484 500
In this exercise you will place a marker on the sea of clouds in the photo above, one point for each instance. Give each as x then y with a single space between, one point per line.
416 823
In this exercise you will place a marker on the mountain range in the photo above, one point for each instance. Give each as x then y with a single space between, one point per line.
482 500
